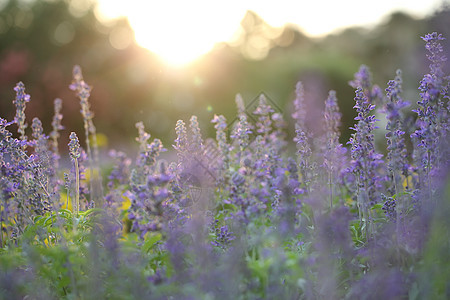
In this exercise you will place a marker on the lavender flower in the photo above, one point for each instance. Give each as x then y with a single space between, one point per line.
83 92
263 111
56 125
436 57
24 189
333 149
40 142
181 142
121 170
224 147
299 114
223 236
432 122
148 201
262 232
365 160
240 105
304 151
46 173
20 102
397 153
147 152
332 120
74 151
221 137
304 154
196 143
363 80
143 136
148 186
278 136
74 146
118 178
241 133
238 197
389 208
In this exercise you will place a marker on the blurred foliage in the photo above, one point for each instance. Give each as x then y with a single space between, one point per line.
40 41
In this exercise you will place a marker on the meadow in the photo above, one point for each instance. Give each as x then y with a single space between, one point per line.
248 214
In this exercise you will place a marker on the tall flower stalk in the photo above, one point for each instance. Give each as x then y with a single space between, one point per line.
365 160
333 149
83 92
74 151
241 132
56 126
20 102
397 162
302 138
432 122
397 152
45 173
223 146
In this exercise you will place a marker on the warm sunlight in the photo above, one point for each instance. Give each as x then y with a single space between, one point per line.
182 31
179 31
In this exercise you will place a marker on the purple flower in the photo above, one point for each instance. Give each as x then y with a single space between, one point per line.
241 132
148 187
83 92
389 208
365 160
333 152
299 114
56 125
304 154
181 142
221 136
432 122
397 153
196 142
364 157
363 80
263 111
436 57
74 146
120 173
20 102
223 236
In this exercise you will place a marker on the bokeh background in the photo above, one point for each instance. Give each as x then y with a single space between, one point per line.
41 41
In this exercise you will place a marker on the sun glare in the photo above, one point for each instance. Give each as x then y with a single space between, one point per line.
182 31
178 31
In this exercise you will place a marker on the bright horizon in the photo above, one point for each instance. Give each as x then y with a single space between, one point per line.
181 31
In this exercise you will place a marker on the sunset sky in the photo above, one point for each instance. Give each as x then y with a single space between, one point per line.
181 31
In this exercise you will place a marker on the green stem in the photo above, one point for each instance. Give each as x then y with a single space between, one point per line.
398 204
428 177
77 188
330 183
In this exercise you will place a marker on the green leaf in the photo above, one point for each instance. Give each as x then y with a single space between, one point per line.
151 241
90 211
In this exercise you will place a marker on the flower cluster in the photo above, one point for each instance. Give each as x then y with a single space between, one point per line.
20 102
238 216
432 122
396 146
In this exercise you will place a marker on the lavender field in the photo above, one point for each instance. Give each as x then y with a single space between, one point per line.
247 214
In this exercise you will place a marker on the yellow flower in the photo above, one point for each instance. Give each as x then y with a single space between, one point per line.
126 203
65 201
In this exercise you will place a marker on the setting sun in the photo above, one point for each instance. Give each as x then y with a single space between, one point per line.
182 31
179 31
